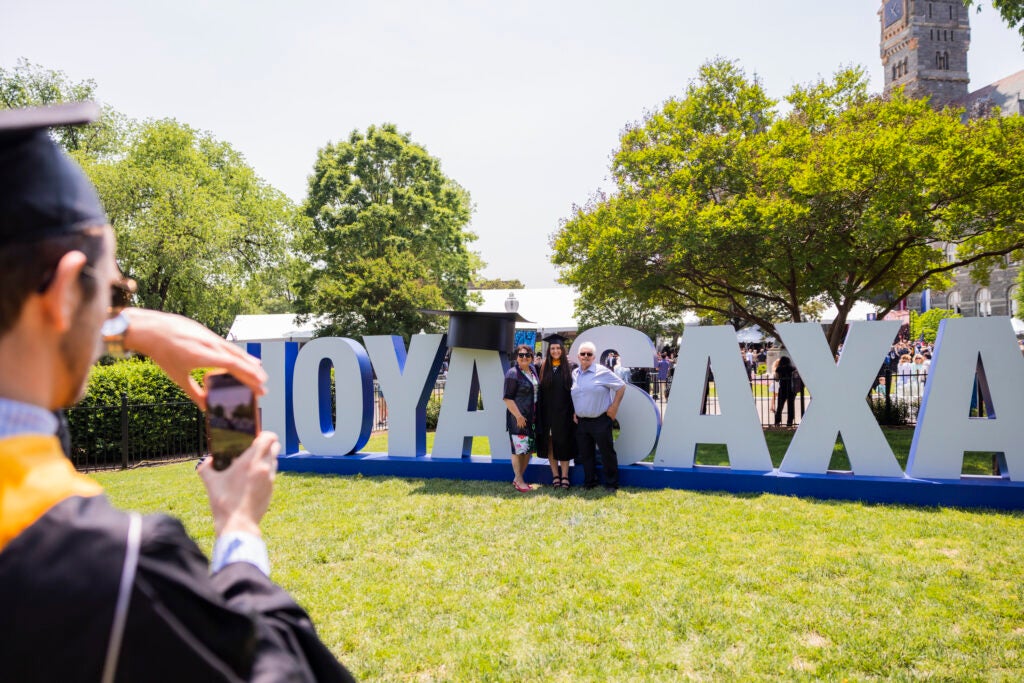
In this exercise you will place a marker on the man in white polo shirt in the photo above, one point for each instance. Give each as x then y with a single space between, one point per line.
596 395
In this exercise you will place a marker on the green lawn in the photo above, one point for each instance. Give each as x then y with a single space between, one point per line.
439 580
778 441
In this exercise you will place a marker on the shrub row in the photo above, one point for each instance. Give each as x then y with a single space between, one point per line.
162 418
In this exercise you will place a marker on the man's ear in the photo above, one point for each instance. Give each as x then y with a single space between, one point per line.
62 297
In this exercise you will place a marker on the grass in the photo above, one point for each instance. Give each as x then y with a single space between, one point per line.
439 580
778 441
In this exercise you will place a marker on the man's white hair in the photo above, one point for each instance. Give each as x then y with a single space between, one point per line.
588 345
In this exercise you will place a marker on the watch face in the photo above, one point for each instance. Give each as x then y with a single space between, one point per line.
893 11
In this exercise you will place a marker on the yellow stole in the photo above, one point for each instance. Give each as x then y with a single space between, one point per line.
35 476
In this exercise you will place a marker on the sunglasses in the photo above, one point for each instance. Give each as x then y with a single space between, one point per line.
585 354
525 355
121 290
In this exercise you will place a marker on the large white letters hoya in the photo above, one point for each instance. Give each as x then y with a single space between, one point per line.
298 403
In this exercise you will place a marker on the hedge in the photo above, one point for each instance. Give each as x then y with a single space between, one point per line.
160 418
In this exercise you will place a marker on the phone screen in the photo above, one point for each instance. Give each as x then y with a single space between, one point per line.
232 417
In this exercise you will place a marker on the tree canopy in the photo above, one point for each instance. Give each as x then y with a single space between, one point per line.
31 85
388 237
497 283
199 231
731 208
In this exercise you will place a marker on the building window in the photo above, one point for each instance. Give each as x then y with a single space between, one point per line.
942 60
929 10
950 252
953 302
1011 301
984 301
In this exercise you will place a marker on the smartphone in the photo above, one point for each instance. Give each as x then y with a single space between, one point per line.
232 417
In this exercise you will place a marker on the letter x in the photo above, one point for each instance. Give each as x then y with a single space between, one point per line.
838 404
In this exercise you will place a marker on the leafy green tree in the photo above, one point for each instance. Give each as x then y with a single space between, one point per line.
1012 12
387 237
729 208
652 320
927 323
199 231
496 283
31 85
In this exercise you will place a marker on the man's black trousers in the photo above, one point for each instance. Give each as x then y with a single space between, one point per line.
591 432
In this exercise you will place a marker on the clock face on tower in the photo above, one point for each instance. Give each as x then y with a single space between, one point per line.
893 12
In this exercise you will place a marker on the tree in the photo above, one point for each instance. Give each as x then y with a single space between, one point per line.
31 85
199 231
926 325
496 283
1012 12
592 311
729 208
387 226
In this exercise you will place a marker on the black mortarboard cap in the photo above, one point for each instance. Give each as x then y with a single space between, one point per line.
555 339
43 192
478 330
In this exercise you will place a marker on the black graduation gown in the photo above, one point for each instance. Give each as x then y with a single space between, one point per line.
59 580
554 414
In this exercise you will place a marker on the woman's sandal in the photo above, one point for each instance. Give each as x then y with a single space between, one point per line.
556 482
524 489
565 483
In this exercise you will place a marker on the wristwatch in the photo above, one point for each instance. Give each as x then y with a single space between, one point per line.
113 331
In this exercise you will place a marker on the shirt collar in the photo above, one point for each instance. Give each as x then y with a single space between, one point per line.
18 418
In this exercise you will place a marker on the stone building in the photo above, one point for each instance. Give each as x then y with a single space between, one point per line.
923 47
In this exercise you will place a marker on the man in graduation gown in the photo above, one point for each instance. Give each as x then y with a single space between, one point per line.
87 592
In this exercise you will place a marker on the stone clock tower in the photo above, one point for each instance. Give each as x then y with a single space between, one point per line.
924 48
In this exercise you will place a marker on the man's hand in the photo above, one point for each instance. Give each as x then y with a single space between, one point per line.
180 345
612 411
240 495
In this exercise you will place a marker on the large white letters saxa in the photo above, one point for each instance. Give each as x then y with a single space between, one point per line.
838 404
458 423
406 383
353 380
944 426
638 415
738 426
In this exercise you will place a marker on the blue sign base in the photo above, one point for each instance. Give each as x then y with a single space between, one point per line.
969 491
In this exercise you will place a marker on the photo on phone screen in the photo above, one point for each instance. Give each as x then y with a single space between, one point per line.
232 417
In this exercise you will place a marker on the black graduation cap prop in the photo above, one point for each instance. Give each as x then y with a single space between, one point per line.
43 193
477 330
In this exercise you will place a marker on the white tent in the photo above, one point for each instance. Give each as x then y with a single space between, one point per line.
862 310
549 309
271 327
1018 326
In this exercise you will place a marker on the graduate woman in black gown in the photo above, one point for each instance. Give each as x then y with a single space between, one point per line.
556 437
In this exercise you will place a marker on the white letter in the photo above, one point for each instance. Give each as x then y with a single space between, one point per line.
838 404
944 426
458 423
406 383
738 426
638 415
353 381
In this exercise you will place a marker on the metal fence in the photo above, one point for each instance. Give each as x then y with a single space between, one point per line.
129 435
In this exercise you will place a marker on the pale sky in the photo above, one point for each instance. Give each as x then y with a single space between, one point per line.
522 102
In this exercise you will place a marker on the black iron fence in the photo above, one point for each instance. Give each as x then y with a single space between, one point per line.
132 434
128 435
